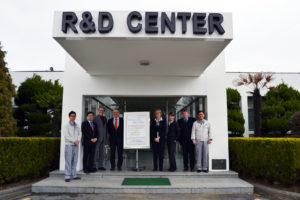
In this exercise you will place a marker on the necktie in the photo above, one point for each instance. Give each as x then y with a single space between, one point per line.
116 123
185 120
91 123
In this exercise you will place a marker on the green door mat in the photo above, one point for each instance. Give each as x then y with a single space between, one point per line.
146 181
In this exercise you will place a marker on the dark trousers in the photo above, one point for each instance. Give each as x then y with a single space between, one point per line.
171 153
188 150
158 154
113 147
88 155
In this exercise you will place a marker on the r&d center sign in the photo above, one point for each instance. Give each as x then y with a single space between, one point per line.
149 22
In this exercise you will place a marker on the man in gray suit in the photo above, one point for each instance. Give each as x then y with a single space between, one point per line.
101 123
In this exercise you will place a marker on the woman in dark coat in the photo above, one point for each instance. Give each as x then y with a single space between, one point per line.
158 128
172 137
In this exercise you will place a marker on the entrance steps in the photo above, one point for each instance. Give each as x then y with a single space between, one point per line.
225 182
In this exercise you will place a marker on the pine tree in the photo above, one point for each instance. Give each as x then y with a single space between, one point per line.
37 100
7 92
236 119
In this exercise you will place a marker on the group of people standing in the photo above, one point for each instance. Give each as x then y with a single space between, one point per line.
188 131
93 135
191 133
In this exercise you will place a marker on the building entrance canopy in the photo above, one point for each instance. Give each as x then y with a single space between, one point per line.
143 43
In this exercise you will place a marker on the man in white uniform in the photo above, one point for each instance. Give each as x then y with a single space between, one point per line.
201 137
72 137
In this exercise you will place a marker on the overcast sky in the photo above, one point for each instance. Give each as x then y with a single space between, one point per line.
266 32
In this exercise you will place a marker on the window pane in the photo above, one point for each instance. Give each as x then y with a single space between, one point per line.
250 102
251 119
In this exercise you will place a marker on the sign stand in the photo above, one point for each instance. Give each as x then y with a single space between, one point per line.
137 160
137 168
137 134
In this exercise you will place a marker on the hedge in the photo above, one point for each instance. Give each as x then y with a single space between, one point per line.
271 159
27 157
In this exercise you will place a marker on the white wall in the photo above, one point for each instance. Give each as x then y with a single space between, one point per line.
78 82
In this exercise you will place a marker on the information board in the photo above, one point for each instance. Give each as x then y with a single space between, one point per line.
137 130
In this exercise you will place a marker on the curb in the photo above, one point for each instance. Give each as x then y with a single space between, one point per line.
15 191
275 192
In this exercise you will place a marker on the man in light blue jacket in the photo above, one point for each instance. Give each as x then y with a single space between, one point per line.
201 137
72 135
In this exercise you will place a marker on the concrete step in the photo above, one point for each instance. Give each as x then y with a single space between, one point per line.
116 173
111 182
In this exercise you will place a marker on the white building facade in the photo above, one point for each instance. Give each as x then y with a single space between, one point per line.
133 59
291 79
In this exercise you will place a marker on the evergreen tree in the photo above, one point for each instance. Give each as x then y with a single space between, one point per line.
236 119
7 92
52 100
280 104
37 100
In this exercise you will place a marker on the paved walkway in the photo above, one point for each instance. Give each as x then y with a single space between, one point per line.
147 197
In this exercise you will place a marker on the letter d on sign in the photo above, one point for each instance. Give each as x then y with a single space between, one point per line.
105 16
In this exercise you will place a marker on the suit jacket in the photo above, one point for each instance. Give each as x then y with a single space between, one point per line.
88 133
115 135
185 129
173 132
101 128
161 129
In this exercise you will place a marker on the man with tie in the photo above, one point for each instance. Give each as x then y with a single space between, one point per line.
115 130
101 123
158 128
185 124
90 135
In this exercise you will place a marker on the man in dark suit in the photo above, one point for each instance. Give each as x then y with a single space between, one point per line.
185 124
172 137
89 136
101 123
158 128
115 130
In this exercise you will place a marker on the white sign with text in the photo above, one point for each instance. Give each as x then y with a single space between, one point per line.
137 130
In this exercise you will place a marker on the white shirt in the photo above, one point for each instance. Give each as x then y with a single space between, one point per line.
158 120
157 124
201 130
71 132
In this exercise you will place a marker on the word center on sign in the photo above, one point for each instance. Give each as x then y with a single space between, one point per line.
150 22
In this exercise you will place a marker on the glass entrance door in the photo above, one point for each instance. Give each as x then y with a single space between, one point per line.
134 104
